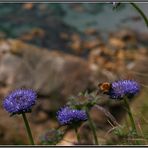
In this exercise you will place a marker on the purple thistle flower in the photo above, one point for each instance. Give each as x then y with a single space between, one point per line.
67 116
122 88
20 101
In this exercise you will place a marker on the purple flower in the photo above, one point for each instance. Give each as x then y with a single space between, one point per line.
122 88
52 137
20 101
67 116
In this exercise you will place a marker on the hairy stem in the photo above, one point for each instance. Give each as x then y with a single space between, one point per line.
77 134
93 128
28 129
131 117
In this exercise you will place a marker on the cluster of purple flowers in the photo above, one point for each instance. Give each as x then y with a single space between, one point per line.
22 100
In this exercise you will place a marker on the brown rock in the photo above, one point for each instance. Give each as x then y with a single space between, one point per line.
76 43
64 35
91 31
127 35
28 6
124 38
27 66
39 117
116 43
92 43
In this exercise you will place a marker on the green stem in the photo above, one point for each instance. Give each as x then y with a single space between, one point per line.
93 128
130 114
28 129
78 136
141 13
126 102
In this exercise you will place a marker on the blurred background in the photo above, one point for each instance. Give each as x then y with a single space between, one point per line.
61 49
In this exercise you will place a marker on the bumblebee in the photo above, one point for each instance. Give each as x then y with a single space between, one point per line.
104 87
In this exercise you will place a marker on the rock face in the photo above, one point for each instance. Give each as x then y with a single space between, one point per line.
54 75
26 66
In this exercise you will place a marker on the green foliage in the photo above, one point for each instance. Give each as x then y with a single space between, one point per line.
83 100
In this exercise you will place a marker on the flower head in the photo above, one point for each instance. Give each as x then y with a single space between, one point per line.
20 101
52 137
67 116
122 88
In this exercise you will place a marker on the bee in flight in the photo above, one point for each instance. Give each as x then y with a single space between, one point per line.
104 87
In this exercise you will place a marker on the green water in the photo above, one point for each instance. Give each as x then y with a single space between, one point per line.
105 19
54 18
